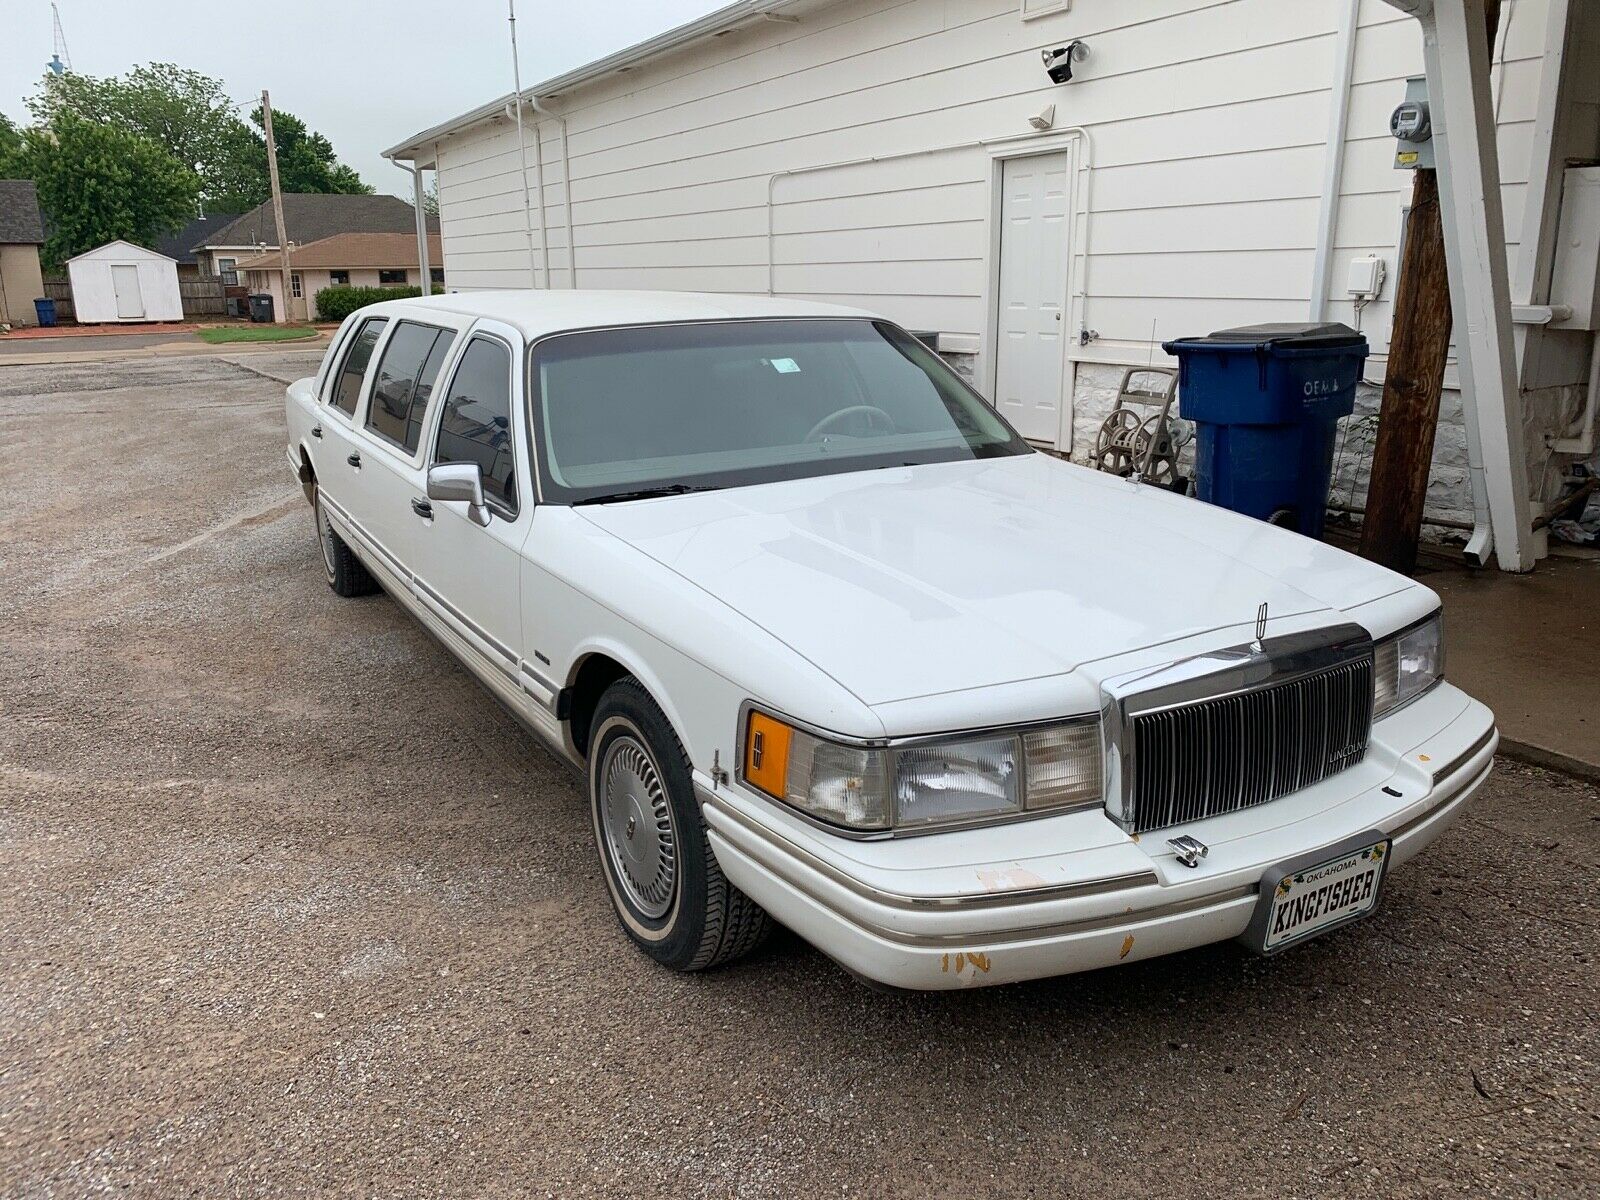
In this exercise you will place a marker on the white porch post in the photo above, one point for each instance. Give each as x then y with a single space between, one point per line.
1456 53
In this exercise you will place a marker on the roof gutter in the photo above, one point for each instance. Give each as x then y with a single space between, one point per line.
713 23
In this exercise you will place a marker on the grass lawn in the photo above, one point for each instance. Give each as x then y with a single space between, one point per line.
254 333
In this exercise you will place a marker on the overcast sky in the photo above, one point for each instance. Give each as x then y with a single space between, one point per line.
366 73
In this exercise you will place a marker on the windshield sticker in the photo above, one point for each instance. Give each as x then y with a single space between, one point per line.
785 366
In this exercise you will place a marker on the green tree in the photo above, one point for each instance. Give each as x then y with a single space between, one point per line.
306 161
10 146
190 115
187 113
102 181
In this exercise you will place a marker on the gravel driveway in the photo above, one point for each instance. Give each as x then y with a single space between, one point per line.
288 906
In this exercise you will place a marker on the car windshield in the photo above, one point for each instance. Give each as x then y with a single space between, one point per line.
639 411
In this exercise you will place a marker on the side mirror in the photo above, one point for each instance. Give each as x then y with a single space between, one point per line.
459 481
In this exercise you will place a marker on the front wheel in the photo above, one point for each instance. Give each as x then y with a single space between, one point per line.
665 883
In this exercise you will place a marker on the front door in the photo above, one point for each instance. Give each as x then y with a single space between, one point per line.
1030 354
469 574
130 302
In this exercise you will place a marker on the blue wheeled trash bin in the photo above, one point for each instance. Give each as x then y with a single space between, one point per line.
1266 401
44 309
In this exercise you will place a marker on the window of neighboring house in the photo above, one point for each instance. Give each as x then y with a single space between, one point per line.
339 278
476 423
410 363
347 389
436 274
296 289
225 266
391 277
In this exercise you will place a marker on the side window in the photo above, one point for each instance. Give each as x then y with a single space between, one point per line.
347 385
476 423
406 372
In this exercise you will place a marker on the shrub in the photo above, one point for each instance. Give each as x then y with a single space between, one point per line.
338 302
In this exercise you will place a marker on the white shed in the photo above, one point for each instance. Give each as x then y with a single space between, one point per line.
123 282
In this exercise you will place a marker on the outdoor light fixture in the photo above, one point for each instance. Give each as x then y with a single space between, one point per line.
1058 62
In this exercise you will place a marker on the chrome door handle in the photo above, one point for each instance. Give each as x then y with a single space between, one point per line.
316 432
422 508
354 460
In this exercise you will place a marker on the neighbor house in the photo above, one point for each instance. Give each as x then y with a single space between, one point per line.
21 235
354 259
181 245
1208 164
307 218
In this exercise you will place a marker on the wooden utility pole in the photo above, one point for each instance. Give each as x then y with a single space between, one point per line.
1419 346
277 202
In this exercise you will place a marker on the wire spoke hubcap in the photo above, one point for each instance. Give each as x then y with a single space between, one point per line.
325 536
636 822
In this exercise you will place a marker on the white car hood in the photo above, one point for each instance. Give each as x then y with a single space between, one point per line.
914 581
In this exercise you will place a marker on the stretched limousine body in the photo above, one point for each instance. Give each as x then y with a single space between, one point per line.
835 647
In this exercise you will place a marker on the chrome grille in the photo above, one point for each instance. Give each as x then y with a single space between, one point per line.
1216 756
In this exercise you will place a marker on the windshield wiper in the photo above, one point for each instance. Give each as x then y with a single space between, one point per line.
650 493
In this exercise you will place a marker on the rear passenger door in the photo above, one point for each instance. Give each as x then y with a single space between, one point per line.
469 575
335 441
390 502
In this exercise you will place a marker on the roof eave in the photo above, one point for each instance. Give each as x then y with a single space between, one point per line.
709 25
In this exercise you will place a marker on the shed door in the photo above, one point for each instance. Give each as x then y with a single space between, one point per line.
125 280
1031 322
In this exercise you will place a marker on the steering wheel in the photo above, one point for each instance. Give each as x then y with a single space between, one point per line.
870 415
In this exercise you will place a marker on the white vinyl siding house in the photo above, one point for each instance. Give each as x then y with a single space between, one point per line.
880 153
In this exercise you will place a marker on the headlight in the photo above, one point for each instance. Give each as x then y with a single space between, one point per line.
924 784
1406 665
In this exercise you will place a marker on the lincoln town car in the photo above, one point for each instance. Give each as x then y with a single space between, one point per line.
833 646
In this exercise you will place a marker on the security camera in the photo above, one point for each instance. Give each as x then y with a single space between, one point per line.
1058 62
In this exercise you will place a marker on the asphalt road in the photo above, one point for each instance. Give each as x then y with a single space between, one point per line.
289 907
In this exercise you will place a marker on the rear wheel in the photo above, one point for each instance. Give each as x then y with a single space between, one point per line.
345 574
666 885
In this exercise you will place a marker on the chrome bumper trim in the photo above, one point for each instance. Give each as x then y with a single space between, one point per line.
1465 756
944 903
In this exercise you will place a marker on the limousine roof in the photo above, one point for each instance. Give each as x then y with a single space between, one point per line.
537 312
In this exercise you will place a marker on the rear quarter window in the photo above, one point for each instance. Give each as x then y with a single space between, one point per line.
353 367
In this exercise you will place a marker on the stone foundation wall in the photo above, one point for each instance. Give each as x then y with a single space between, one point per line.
1449 488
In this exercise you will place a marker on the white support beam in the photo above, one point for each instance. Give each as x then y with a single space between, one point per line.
1456 53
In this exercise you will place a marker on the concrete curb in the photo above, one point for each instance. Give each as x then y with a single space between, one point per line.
1550 760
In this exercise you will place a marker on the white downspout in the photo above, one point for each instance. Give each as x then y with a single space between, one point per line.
1333 166
566 190
422 222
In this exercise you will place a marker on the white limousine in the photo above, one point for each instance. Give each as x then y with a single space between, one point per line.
835 647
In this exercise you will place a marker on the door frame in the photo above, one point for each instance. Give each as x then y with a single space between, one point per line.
1071 142
138 291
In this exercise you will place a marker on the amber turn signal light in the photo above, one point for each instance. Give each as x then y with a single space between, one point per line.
766 754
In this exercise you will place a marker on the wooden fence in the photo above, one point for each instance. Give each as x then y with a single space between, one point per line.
202 296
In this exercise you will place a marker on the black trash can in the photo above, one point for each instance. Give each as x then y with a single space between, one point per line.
261 307
1266 402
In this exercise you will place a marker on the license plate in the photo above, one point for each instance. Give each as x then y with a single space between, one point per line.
1300 900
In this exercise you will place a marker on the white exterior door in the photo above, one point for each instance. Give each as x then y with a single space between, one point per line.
1030 354
125 282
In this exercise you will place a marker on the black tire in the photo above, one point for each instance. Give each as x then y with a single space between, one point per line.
344 571
699 919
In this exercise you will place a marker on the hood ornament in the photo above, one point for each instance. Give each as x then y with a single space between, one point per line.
1261 627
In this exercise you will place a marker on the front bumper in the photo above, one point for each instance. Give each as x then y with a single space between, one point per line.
1072 893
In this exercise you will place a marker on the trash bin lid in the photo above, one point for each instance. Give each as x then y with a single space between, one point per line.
1282 335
